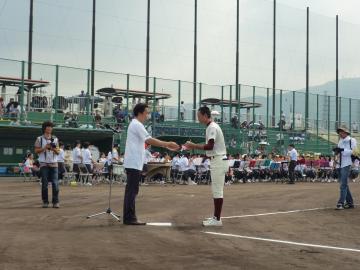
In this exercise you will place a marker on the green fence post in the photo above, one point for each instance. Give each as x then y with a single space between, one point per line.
154 103
281 96
179 97
238 106
267 108
340 107
22 91
350 114
200 94
127 96
230 106
56 91
280 124
253 109
88 97
328 122
317 121
293 116
222 104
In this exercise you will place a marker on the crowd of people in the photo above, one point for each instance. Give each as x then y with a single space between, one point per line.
192 169
10 110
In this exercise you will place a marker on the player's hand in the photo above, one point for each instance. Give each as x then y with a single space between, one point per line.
189 145
172 146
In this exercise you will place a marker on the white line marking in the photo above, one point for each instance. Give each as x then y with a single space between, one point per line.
162 224
284 242
277 213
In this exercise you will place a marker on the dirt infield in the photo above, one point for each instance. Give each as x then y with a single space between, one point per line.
36 238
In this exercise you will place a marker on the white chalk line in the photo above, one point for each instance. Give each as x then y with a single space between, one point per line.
284 242
279 213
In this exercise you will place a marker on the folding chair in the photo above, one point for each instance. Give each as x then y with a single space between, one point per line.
84 174
118 173
99 172
202 176
68 174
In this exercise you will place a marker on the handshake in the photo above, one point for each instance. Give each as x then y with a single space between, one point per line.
337 150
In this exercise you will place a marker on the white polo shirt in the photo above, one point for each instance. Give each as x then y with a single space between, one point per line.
77 155
293 154
135 145
346 154
213 131
87 157
61 156
184 164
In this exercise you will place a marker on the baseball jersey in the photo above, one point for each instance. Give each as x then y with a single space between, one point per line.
213 131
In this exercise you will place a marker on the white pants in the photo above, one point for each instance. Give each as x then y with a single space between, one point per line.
219 167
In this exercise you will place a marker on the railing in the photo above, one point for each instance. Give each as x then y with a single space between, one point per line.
61 91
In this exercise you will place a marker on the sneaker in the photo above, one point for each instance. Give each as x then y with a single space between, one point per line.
192 183
212 222
56 205
162 182
349 206
339 206
45 205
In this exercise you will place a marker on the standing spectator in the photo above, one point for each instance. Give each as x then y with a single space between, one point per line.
137 136
68 158
292 153
97 119
344 151
2 107
47 147
87 159
77 159
61 161
102 158
182 111
82 97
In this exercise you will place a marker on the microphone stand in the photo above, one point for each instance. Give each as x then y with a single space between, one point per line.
108 210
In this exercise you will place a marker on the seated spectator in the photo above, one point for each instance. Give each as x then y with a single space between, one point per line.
14 110
235 121
190 173
29 166
175 165
2 107
97 119
68 158
61 161
102 158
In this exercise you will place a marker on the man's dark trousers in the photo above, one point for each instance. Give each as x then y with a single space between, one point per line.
131 191
292 166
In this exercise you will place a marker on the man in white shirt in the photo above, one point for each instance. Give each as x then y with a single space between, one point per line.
61 161
215 149
344 151
137 136
77 158
292 155
87 159
47 147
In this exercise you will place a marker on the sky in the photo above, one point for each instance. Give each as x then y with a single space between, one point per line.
62 35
